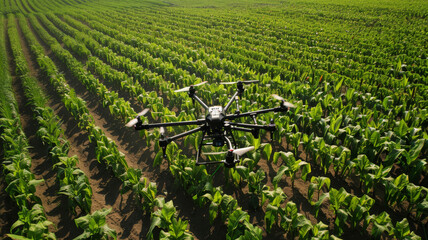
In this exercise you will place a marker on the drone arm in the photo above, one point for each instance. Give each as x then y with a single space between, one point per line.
241 126
231 101
171 124
241 129
277 109
180 135
192 95
163 142
200 102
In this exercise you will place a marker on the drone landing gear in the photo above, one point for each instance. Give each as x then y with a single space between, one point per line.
219 141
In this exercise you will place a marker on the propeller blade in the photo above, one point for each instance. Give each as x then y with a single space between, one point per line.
250 81
132 122
162 131
135 120
213 153
244 82
278 97
287 104
185 89
227 83
200 84
206 163
242 151
144 112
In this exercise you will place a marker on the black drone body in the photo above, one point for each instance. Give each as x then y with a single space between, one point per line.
217 126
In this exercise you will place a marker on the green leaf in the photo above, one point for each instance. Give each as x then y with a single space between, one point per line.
401 129
318 204
339 85
392 156
402 229
414 152
158 159
17 237
316 113
340 221
267 151
213 210
156 222
281 171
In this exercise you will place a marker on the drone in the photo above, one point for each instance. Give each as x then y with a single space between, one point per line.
218 126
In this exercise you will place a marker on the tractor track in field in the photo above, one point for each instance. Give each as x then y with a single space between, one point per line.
137 154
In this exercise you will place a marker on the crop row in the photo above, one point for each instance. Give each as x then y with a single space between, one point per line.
304 233
155 160
235 53
286 36
228 209
380 136
73 182
106 150
417 146
16 166
335 86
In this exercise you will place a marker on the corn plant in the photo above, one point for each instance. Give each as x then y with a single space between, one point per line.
238 227
320 232
372 179
146 191
290 168
416 196
359 208
176 231
317 183
394 189
338 199
31 224
414 165
273 210
22 187
362 166
402 231
255 185
294 222
381 224
165 219
74 184
94 226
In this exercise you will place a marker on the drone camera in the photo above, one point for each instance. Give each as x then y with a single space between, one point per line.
218 142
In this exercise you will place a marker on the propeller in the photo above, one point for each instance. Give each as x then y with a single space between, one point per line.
238 151
206 163
187 88
135 120
287 104
162 131
213 153
242 151
244 82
